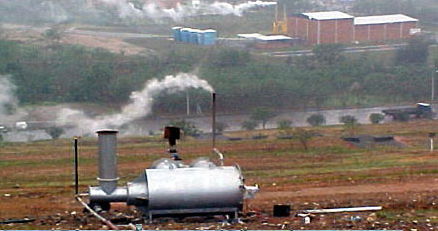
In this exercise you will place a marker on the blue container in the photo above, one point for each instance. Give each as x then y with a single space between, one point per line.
185 35
194 36
201 37
210 37
176 33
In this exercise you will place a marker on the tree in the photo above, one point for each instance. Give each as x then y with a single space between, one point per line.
376 118
55 132
262 115
316 119
284 124
416 52
249 125
348 119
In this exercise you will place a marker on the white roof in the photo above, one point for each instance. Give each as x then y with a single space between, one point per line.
327 15
249 36
273 37
381 19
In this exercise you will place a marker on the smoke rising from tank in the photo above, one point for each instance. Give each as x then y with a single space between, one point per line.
140 105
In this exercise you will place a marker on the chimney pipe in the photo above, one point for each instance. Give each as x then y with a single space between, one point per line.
213 125
107 160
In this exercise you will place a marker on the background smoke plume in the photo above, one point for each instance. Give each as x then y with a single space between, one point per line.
8 101
140 105
150 10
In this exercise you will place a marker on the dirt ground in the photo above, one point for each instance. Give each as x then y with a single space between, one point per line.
34 34
37 181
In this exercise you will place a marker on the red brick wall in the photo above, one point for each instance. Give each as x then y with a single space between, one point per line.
377 32
393 31
345 31
308 30
361 33
407 26
381 32
327 31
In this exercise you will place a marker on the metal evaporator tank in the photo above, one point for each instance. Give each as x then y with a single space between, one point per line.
170 187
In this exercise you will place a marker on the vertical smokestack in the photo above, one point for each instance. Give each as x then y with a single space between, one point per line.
213 122
107 160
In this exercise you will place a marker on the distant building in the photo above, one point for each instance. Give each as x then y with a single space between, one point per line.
338 27
384 27
322 27
267 41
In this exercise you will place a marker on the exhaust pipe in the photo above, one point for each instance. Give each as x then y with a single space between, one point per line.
213 119
107 160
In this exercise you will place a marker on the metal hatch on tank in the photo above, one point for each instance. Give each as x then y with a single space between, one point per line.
170 186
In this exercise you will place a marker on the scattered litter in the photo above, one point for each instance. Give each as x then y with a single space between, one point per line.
307 220
7 195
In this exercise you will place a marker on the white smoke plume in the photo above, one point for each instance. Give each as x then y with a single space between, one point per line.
153 11
140 105
7 97
9 110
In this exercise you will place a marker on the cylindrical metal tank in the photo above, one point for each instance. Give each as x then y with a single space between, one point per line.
210 37
107 160
194 188
176 33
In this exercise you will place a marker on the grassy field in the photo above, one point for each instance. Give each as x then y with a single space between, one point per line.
37 178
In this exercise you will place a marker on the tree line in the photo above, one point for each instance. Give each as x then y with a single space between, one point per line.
66 73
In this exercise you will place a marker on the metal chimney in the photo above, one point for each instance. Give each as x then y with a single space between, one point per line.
107 160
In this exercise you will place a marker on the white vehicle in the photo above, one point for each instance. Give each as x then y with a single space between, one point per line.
21 125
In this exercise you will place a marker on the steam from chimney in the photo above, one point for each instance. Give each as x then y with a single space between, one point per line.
127 9
140 105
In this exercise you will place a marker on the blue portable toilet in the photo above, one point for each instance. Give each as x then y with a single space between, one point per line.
176 33
210 37
201 38
185 35
194 36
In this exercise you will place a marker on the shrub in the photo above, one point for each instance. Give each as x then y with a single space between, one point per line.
316 119
249 125
187 127
348 119
376 118
284 124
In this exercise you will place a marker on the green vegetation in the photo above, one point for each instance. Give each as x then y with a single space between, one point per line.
284 124
376 118
188 128
316 120
65 73
249 125
262 115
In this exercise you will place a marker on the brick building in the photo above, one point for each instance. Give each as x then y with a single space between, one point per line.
383 27
338 27
322 27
